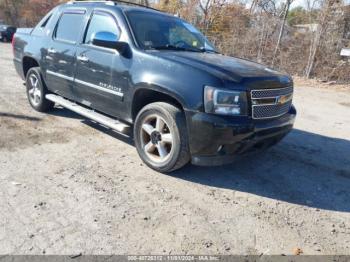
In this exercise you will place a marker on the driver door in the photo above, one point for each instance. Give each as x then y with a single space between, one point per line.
99 81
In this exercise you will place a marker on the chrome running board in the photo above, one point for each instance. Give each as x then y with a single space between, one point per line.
89 113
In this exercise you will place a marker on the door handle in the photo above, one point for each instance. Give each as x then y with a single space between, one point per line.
83 59
51 51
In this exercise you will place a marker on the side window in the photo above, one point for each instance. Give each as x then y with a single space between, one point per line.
46 21
101 22
69 27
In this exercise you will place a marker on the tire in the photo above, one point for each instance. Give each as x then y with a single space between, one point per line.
161 138
36 91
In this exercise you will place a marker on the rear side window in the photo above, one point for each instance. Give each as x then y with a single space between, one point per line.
46 21
101 22
69 27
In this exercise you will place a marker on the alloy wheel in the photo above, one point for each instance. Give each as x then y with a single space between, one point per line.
34 90
156 138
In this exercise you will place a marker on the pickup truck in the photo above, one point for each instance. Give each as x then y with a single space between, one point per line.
155 77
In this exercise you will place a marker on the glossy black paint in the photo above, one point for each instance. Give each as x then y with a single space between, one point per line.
222 138
179 75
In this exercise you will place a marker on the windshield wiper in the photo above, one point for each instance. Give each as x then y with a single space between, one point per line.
205 50
178 48
173 47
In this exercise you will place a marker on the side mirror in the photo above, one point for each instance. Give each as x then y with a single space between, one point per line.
110 40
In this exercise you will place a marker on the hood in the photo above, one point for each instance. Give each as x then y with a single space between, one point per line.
231 68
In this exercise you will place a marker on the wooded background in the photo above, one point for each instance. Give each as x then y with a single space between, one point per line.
304 41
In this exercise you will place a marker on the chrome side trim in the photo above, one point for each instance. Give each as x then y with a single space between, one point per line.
99 88
60 75
86 83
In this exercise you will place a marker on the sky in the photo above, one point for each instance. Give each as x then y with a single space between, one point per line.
303 3
298 3
295 3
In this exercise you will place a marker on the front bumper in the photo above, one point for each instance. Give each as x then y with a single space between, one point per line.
216 140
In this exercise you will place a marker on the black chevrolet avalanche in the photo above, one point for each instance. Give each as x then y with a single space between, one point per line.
135 68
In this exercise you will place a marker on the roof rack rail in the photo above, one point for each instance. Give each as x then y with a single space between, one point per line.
116 2
91 1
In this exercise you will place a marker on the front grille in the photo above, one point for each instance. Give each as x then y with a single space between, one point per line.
270 103
264 93
269 111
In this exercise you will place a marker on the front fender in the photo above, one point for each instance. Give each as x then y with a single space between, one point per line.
183 82
161 89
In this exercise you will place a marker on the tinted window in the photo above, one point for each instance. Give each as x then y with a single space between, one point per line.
101 23
154 31
69 27
46 21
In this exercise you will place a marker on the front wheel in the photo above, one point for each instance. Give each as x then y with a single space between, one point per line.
160 136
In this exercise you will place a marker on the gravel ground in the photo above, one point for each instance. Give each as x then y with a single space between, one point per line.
69 186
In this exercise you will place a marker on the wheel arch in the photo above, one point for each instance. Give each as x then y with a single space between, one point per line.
151 94
29 62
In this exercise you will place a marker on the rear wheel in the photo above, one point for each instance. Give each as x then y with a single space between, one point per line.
36 91
161 137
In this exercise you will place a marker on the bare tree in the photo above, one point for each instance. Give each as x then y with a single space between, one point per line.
205 5
317 37
11 9
257 32
144 2
283 24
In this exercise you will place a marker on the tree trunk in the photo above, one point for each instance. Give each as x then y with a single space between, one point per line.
281 31
317 39
145 2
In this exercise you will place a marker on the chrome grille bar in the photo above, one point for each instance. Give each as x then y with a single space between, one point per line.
268 93
271 103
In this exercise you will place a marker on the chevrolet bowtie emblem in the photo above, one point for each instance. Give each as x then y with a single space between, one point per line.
282 99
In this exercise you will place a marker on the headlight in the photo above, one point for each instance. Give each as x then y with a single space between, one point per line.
224 102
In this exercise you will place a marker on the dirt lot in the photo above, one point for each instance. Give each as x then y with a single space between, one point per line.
70 186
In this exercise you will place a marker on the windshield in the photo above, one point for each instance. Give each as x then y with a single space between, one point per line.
157 31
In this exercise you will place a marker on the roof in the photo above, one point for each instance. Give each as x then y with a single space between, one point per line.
125 5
